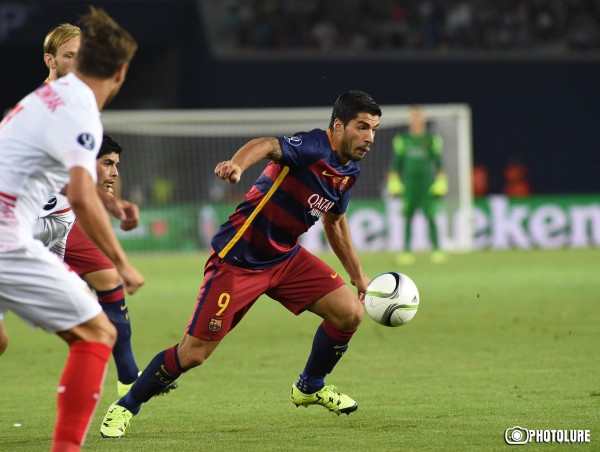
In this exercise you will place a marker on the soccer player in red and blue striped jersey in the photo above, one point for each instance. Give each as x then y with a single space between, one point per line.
257 252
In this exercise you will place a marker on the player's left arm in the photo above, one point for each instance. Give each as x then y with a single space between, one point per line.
249 154
437 145
126 211
338 235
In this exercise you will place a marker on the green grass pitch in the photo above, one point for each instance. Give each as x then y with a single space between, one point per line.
500 339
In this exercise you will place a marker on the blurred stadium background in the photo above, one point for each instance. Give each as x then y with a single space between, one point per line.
524 73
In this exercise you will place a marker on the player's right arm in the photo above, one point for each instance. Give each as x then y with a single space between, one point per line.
94 220
338 235
249 154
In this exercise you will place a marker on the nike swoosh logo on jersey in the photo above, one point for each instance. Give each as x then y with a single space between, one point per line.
325 173
333 276
164 369
123 307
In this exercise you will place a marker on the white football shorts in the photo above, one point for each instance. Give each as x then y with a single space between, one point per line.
40 288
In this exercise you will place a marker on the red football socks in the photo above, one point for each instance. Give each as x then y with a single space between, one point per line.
78 394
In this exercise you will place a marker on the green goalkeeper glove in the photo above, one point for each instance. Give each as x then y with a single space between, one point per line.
394 185
439 186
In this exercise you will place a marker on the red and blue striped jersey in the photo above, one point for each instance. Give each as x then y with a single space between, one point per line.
285 201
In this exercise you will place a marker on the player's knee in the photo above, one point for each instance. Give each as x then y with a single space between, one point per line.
102 331
3 343
351 318
194 360
192 356
108 334
3 337
99 329
355 318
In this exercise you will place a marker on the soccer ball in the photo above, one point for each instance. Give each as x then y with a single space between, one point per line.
392 299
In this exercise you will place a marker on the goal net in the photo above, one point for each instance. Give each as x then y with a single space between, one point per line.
169 157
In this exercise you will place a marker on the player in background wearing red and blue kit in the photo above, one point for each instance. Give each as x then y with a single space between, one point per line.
257 252
91 264
57 228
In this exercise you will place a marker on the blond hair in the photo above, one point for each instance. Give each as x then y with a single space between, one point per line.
58 36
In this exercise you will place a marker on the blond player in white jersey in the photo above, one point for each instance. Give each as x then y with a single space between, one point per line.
48 141
61 46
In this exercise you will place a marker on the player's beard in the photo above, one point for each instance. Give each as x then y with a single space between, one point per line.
60 73
355 155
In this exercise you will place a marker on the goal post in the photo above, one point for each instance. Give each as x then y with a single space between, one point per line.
169 156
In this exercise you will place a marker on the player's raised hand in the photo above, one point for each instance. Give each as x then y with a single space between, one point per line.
125 211
229 171
131 215
361 286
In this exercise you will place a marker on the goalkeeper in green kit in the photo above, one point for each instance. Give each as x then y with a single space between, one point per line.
417 174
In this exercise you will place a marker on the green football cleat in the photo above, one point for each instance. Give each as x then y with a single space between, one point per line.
328 397
405 259
123 388
439 257
115 422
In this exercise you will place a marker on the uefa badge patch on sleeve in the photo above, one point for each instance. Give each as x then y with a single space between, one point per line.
86 140
294 141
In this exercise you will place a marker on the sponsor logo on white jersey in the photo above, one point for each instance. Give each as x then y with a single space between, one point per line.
51 204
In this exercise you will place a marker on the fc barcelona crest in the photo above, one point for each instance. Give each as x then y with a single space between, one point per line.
344 182
215 324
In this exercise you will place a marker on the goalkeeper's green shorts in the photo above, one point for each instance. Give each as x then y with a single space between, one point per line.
420 200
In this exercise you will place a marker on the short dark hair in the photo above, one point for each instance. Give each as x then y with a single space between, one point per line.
105 46
350 103
109 146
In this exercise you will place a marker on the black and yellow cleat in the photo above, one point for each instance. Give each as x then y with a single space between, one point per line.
328 397
115 422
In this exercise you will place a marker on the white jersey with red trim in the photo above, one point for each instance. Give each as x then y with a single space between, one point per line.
54 223
53 129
